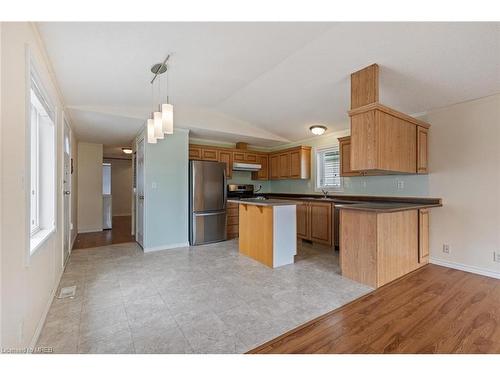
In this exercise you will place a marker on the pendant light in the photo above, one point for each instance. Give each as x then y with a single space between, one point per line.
162 122
167 112
151 131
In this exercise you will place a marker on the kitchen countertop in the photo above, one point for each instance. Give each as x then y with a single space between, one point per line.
263 202
386 206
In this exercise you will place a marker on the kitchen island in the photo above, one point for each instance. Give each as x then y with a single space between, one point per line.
267 230
380 242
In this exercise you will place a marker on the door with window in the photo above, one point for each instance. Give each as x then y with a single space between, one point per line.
67 193
139 234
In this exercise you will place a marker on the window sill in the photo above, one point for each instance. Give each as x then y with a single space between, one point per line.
39 238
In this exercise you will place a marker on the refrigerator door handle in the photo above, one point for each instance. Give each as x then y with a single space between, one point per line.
224 187
214 213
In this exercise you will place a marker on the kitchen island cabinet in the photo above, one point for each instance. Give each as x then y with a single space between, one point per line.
379 244
267 231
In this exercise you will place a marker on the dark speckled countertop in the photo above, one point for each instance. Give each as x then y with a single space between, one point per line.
366 203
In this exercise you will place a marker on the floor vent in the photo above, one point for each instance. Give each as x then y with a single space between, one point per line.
67 292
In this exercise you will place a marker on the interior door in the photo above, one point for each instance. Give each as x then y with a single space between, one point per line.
67 194
139 230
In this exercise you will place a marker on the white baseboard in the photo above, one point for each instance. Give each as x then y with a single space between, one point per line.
90 230
165 247
41 322
464 267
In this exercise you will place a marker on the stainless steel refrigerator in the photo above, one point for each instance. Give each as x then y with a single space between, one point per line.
207 202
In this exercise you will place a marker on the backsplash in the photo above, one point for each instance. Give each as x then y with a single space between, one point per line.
242 177
409 185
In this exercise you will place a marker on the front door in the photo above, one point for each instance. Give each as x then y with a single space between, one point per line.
139 234
67 193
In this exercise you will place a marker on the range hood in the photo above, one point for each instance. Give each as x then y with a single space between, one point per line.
246 167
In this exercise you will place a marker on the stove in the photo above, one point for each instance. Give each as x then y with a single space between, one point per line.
242 191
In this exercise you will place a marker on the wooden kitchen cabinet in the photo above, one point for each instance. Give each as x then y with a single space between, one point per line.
293 163
263 174
194 152
383 140
303 229
284 165
321 222
209 154
314 222
227 157
423 236
232 230
379 247
239 156
422 149
345 158
274 167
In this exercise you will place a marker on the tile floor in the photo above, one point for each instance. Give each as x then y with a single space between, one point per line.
204 299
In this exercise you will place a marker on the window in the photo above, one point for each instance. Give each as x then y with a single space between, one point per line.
106 178
328 169
42 166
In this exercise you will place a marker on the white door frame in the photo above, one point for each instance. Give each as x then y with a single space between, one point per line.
67 211
137 195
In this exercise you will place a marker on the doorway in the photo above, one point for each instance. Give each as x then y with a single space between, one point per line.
139 232
67 193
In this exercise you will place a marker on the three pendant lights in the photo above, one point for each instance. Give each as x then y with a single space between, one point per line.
161 122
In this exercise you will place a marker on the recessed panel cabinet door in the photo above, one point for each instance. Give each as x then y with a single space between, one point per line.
321 222
295 164
226 157
303 228
285 165
274 162
423 236
209 154
422 150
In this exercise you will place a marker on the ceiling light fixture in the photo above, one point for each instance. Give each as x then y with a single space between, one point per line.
163 120
126 150
318 129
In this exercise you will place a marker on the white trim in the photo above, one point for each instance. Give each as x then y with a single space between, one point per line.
165 247
464 267
41 322
90 230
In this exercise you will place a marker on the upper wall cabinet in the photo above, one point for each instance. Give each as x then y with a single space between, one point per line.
293 163
345 158
383 140
386 141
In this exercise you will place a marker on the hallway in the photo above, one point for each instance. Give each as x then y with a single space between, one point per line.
120 233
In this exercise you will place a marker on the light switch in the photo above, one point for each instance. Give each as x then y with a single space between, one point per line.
153 185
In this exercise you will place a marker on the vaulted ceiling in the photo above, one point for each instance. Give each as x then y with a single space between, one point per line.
264 83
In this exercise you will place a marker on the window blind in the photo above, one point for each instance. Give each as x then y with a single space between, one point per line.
328 174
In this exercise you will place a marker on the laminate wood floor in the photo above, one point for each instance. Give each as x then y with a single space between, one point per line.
120 233
432 310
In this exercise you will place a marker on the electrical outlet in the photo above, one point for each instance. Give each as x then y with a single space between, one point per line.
446 248
496 256
400 184
364 184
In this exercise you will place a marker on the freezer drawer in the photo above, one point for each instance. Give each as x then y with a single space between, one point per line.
208 227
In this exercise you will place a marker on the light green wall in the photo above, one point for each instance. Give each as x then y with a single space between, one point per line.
414 185
166 205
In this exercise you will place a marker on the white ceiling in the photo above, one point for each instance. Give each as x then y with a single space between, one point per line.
265 83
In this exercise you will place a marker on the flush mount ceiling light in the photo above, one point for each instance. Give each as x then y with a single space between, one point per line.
162 121
126 150
318 129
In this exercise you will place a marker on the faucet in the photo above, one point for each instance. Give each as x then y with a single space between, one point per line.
325 193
